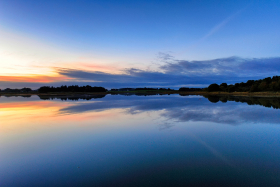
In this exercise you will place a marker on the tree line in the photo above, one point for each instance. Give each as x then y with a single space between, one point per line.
74 88
266 84
22 90
162 89
185 89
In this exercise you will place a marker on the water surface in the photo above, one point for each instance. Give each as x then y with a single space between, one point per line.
118 140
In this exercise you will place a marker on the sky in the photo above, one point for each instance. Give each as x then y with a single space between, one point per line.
149 43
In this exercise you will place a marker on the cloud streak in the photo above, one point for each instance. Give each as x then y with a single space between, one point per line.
220 25
214 29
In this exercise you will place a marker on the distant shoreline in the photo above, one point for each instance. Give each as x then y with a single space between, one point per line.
253 94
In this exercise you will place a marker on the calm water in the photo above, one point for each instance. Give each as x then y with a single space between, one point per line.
134 140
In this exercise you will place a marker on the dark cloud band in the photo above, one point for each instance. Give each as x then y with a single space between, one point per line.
176 73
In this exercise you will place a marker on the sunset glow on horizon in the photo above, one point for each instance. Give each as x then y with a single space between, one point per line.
122 44
139 93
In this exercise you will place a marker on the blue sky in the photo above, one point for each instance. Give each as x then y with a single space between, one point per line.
109 39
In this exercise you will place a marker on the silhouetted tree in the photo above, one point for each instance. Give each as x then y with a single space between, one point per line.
254 88
263 86
230 88
223 86
213 87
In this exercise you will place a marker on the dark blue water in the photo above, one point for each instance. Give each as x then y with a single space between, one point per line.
139 141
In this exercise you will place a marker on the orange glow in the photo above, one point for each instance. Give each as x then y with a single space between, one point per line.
30 105
96 67
34 78
25 116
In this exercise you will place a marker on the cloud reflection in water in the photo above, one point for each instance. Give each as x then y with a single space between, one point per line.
190 108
